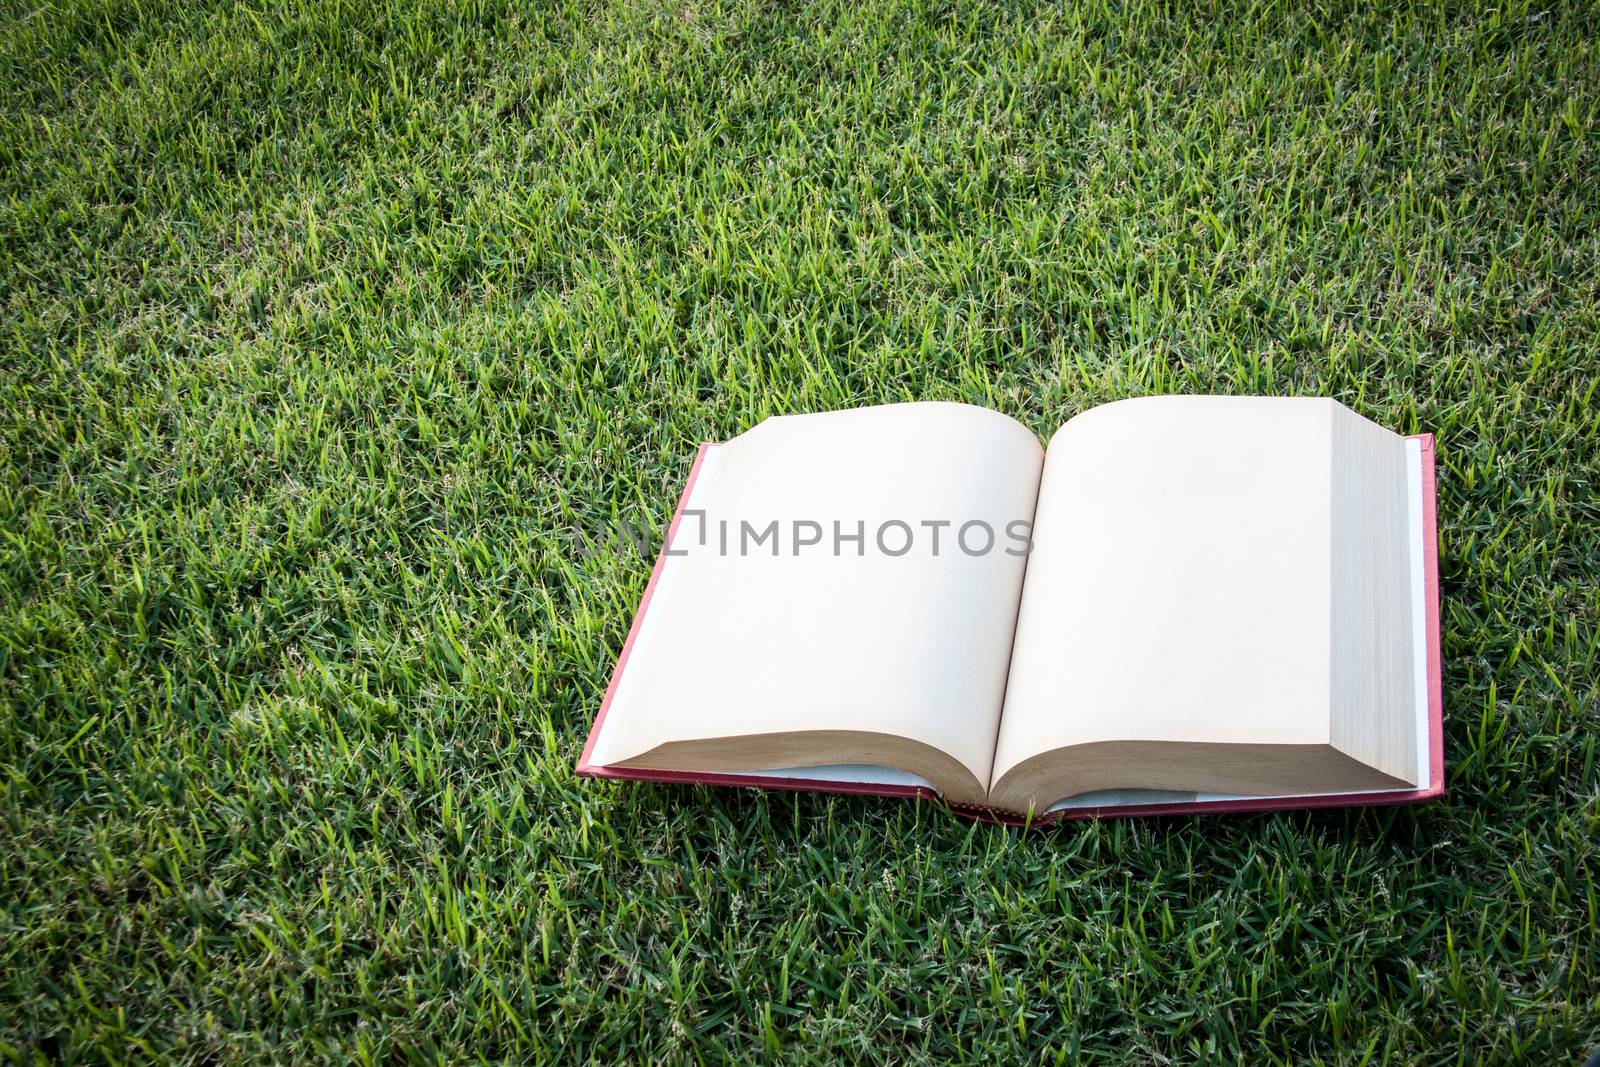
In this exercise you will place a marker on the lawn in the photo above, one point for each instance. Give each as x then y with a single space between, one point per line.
322 326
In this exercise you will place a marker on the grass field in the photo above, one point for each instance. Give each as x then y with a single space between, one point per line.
321 324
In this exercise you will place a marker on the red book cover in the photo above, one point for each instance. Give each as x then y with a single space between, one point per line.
1434 788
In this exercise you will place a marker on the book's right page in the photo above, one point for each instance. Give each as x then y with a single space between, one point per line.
1219 600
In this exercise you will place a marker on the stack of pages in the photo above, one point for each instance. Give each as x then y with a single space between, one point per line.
1181 604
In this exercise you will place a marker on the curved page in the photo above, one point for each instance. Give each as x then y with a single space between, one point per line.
1179 589
817 589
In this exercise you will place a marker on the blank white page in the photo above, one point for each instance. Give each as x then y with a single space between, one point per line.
1179 585
916 645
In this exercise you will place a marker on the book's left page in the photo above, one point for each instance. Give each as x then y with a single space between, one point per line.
841 590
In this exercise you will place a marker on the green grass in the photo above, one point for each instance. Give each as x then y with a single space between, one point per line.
321 324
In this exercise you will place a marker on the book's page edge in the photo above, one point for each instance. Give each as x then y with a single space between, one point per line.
756 780
586 768
1436 783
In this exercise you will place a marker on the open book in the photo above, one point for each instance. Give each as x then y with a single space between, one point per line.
1183 603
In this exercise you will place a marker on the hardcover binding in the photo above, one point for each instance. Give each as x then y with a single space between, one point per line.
1434 788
